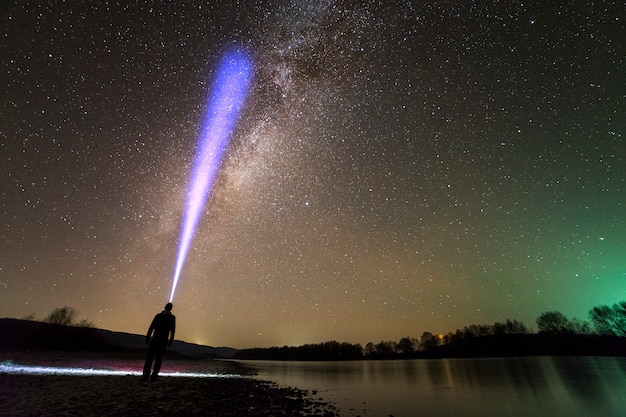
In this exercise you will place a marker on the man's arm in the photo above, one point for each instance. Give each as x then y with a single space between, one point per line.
150 330
172 330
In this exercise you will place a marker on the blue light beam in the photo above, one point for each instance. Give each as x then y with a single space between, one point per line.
228 93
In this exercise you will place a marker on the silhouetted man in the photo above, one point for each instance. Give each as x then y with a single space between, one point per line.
163 325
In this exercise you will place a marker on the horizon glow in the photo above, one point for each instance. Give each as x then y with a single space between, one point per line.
227 96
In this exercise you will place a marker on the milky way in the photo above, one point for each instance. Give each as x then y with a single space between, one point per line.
396 168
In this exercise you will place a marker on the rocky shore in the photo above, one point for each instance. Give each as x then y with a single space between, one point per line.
223 393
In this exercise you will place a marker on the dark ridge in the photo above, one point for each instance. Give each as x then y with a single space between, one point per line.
23 335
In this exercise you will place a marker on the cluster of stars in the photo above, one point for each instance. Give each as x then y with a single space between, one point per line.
396 168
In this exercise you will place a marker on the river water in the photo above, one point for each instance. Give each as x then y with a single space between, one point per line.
498 387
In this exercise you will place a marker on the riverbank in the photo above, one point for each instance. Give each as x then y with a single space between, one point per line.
42 385
67 395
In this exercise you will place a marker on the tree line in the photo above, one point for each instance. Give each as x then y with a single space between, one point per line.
326 351
555 334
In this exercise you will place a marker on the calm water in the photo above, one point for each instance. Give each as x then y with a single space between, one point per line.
537 386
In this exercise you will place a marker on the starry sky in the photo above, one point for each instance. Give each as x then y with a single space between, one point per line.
397 167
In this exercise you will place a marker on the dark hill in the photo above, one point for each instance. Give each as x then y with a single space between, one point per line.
23 335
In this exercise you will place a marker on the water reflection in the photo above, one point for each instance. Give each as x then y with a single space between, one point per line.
589 383
538 386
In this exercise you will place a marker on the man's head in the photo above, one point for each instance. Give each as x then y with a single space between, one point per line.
168 306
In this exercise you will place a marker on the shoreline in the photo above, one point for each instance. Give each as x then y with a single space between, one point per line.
222 388
78 395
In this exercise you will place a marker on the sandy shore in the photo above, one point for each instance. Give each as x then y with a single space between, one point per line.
127 395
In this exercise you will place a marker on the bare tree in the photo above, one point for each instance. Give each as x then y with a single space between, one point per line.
66 316
428 341
609 320
62 315
554 322
370 348
406 345
385 347
85 323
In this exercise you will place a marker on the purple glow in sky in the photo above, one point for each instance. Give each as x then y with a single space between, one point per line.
228 93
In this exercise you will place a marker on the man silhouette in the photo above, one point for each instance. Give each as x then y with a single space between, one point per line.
163 325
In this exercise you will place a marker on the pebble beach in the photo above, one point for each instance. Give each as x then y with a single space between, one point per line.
41 394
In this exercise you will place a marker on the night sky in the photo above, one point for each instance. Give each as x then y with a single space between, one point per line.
396 168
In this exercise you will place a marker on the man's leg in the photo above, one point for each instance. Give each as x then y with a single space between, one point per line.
149 357
160 351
